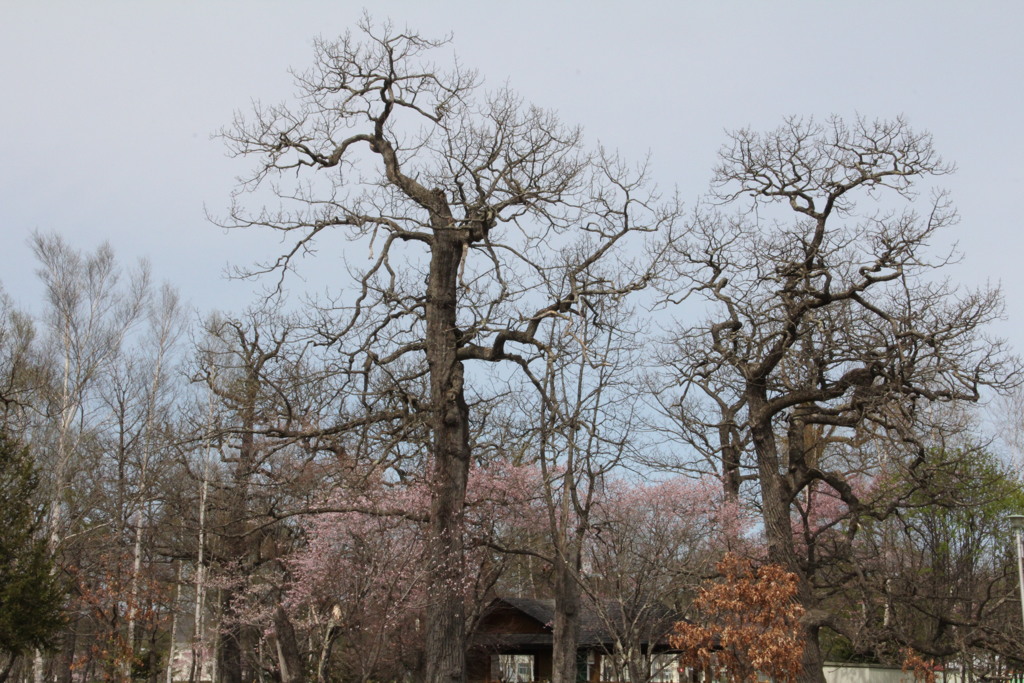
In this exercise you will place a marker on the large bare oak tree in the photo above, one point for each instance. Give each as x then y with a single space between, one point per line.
471 221
829 331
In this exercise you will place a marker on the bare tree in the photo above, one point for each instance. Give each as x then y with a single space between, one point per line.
826 321
21 376
459 203
140 397
585 433
652 544
90 312
288 433
244 365
708 418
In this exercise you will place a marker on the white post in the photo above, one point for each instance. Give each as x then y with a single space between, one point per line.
1017 523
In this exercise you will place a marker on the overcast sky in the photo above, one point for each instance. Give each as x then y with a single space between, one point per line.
107 108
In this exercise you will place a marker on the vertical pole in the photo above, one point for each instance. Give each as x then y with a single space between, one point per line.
1020 571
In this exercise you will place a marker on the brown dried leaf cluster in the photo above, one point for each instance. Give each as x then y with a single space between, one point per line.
922 669
750 624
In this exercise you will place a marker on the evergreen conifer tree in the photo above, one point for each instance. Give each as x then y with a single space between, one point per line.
31 596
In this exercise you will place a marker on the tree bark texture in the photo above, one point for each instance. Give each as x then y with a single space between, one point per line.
234 648
776 499
289 660
566 626
446 637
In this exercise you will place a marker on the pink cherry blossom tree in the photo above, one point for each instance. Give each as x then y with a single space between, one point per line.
360 586
653 543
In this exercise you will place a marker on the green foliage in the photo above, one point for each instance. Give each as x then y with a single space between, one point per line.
941 566
971 478
31 597
958 513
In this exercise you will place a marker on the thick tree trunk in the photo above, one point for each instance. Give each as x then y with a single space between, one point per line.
237 642
229 650
776 498
449 419
566 626
229 643
289 661
813 659
781 551
732 475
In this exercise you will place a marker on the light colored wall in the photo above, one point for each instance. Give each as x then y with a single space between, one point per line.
862 673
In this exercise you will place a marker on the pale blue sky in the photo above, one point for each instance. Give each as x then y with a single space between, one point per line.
107 107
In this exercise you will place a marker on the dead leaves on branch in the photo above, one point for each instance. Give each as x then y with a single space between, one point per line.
749 624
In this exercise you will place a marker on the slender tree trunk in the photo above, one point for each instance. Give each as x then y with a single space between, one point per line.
323 666
133 595
172 647
446 618
66 660
37 666
198 621
567 624
215 659
153 660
